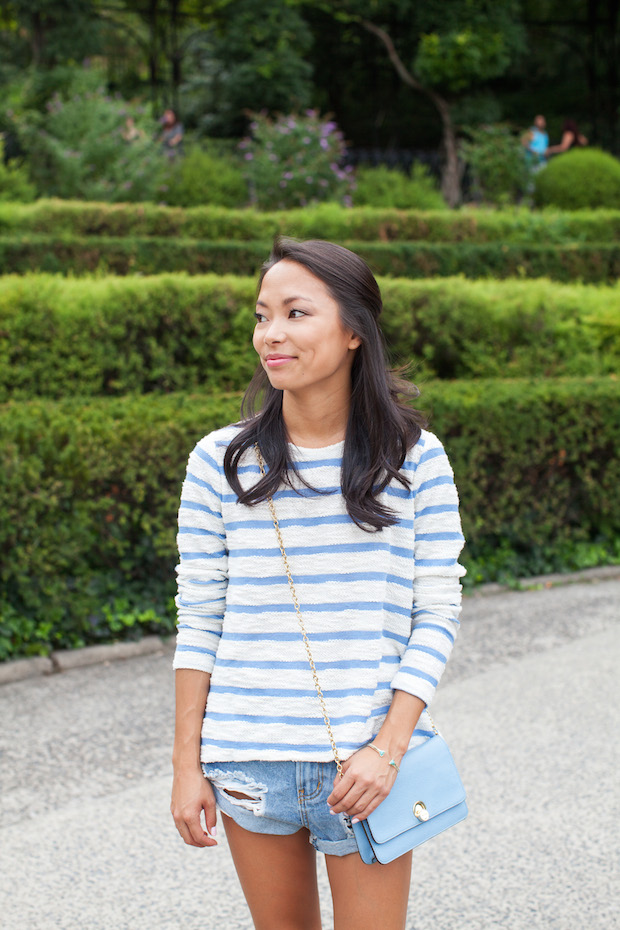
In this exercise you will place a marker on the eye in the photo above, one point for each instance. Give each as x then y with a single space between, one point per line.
260 317
298 314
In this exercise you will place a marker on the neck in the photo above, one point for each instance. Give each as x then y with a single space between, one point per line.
316 421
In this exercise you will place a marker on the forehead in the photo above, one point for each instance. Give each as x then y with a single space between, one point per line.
287 278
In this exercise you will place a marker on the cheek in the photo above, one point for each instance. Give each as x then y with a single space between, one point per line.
256 340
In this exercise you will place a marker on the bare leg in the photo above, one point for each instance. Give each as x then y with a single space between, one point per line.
369 897
278 877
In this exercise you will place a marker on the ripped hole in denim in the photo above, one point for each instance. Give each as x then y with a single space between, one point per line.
239 789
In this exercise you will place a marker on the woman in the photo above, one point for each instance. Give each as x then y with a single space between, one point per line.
351 473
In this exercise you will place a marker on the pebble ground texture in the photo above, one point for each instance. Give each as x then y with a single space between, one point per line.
529 705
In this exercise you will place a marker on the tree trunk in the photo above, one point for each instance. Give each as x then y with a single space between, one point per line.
450 174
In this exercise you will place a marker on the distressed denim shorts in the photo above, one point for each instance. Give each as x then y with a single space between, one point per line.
283 797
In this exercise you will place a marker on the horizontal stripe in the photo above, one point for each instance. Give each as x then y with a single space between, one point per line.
331 549
287 720
416 673
435 483
440 537
417 647
436 509
433 563
192 556
292 665
197 531
282 747
436 628
344 577
290 692
295 636
332 607
201 508
430 454
202 650
194 479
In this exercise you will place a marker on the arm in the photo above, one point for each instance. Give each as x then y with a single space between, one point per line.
436 606
191 792
562 147
202 579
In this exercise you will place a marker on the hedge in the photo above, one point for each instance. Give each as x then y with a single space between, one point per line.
110 336
588 262
330 221
88 553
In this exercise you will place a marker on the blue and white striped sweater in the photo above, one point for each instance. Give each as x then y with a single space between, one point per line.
381 609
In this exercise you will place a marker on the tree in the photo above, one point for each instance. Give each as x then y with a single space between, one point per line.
444 50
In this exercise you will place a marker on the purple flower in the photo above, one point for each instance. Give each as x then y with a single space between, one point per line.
347 201
248 156
322 183
291 124
309 180
283 183
324 144
334 167
272 156
288 175
306 140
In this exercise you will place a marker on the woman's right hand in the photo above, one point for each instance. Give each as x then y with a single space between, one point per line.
191 795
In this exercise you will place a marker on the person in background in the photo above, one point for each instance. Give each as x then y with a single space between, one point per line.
171 135
571 138
536 143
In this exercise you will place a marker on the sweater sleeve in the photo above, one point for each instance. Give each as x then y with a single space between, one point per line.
436 585
202 572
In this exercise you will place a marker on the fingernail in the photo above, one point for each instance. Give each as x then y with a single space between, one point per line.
331 811
213 831
355 820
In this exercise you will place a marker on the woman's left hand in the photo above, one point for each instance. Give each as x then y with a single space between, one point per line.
367 780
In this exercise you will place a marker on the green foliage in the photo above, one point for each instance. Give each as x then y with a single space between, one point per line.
295 160
14 183
88 555
87 337
580 179
254 57
76 148
386 187
497 162
201 177
129 255
331 221
455 60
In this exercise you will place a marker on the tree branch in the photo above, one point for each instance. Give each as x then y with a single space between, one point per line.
395 58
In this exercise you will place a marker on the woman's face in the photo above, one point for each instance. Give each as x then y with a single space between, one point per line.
299 335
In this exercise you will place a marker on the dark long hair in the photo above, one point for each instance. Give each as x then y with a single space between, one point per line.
381 427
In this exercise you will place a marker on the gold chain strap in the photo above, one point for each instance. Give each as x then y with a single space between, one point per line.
300 618
291 585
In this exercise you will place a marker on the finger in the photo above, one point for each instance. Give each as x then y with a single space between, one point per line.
341 788
366 805
350 799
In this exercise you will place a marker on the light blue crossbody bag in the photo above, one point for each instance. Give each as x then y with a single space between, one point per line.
428 795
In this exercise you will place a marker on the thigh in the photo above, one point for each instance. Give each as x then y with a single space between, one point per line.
369 896
278 877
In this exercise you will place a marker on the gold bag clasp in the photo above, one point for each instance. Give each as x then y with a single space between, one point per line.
420 811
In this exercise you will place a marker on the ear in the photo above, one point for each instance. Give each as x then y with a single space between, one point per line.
354 342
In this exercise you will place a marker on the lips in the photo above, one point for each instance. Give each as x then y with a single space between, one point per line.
275 361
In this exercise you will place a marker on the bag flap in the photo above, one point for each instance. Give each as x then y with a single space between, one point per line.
428 775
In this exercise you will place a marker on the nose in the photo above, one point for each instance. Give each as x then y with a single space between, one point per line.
275 332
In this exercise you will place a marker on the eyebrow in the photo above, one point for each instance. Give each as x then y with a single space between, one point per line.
289 300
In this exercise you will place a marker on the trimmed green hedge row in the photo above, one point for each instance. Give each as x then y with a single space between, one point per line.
587 262
537 463
330 221
109 336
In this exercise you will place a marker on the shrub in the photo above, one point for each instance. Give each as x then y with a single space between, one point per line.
295 160
388 187
131 255
497 163
580 179
329 220
89 555
170 332
76 148
14 183
202 177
